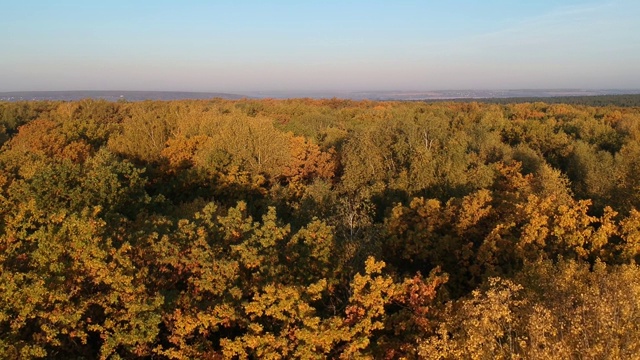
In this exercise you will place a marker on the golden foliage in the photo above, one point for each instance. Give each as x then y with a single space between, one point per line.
305 229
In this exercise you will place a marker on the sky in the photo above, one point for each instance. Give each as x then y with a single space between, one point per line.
312 45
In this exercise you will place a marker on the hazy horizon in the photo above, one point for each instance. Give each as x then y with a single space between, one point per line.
331 46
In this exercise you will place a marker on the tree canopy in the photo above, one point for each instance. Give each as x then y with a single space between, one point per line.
318 229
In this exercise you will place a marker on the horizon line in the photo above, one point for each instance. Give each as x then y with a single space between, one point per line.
232 92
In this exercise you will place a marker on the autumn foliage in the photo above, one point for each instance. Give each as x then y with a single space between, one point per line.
318 229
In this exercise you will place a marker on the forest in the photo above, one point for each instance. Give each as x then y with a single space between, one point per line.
314 229
623 100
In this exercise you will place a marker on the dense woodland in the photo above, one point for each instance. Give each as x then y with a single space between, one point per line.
625 100
319 229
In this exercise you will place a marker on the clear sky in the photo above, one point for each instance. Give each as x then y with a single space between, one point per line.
313 45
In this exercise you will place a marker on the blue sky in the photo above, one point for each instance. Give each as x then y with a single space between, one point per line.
314 45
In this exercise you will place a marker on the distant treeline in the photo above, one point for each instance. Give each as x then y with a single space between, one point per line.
627 100
319 229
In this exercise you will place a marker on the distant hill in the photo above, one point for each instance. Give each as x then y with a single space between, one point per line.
568 96
463 95
112 95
